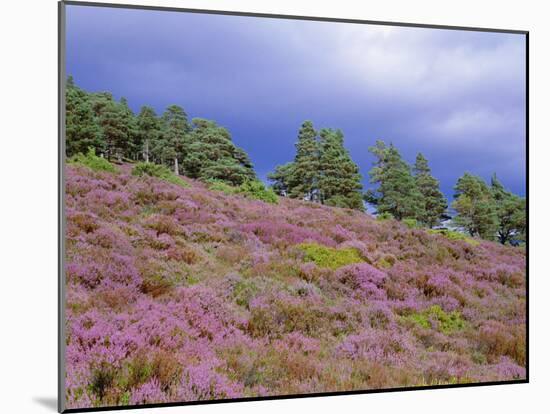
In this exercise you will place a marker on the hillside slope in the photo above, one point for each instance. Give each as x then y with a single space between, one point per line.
177 294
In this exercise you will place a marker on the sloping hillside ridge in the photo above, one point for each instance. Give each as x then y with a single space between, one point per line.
184 293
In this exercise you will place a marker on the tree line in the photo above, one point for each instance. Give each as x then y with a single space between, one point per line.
412 193
198 149
322 170
489 211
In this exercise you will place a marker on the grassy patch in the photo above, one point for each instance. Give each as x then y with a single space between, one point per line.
446 322
158 171
253 189
410 223
384 216
244 291
329 257
92 161
258 191
217 185
454 235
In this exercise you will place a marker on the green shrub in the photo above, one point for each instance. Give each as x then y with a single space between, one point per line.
101 379
329 257
447 322
386 261
218 185
384 216
244 291
254 189
92 161
257 190
158 171
411 223
454 235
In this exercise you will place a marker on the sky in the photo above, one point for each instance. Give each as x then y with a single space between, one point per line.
458 97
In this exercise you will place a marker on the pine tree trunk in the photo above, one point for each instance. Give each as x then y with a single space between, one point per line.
146 151
176 168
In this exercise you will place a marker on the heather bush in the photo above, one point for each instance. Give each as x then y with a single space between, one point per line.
386 347
445 368
181 294
496 339
363 278
274 315
92 161
83 222
282 234
148 393
310 271
506 368
341 234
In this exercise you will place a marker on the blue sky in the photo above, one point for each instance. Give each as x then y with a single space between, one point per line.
456 96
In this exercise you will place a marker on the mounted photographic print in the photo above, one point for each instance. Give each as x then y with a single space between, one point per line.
263 206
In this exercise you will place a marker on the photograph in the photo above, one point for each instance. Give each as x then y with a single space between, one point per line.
260 206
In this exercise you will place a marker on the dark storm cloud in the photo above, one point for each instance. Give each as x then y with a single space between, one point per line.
458 97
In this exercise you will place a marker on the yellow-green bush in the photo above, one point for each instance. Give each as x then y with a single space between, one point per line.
411 223
244 291
159 171
257 190
384 216
447 322
253 189
92 161
455 235
218 185
329 257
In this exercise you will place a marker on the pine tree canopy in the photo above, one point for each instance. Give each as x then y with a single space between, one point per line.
397 193
475 207
511 212
322 170
433 201
204 150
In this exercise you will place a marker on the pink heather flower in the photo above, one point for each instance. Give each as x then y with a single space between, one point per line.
148 393
363 277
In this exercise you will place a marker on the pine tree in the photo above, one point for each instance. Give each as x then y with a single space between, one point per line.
380 151
149 130
475 206
133 144
114 127
81 129
281 178
434 203
397 193
339 182
305 177
211 154
511 212
175 129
